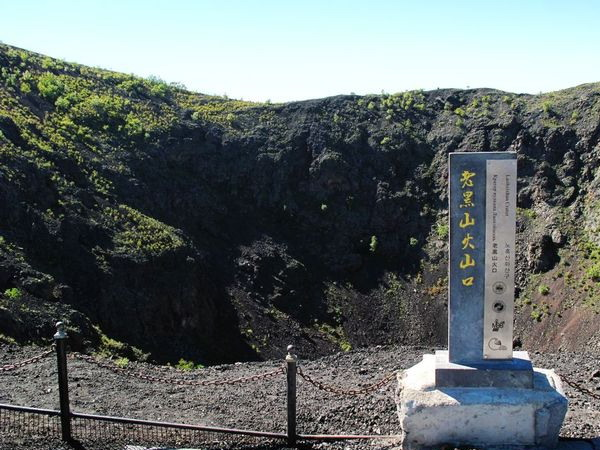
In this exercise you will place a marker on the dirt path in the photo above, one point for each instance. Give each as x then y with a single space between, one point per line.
260 405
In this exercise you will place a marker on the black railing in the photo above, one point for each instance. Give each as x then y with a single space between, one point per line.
74 426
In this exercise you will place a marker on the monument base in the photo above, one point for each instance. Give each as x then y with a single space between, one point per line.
511 373
483 417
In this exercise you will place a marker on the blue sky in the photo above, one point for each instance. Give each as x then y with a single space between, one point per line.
292 50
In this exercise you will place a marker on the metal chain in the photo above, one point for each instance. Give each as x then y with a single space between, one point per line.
339 391
180 382
35 359
580 388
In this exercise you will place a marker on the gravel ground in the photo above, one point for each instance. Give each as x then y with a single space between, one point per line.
256 405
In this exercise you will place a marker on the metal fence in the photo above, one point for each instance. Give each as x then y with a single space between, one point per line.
72 426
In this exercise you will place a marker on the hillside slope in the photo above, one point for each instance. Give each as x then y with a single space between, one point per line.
218 230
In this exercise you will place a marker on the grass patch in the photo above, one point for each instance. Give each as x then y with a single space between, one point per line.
185 365
336 335
13 293
142 235
111 348
4 339
442 230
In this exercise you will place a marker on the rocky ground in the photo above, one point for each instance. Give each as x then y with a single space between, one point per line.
258 405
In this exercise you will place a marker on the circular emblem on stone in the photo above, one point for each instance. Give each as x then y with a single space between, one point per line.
496 344
499 288
498 306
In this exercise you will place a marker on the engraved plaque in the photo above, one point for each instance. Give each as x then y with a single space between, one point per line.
499 289
482 200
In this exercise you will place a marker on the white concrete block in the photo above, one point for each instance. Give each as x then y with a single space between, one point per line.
482 417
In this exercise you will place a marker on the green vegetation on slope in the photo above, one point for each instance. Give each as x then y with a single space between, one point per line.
176 220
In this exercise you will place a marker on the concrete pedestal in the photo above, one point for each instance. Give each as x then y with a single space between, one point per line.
483 417
513 373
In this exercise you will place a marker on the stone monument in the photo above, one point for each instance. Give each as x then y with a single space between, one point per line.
480 392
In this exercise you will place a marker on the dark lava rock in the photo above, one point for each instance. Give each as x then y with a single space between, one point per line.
217 230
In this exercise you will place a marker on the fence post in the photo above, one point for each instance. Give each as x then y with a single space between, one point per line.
291 361
63 382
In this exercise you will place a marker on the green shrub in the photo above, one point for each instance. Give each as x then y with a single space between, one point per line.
594 272
62 103
50 86
460 112
373 244
13 293
543 289
591 251
110 347
133 126
141 234
442 230
122 362
574 117
413 242
49 63
100 109
528 213
135 86
336 335
536 315
217 110
7 340
158 87
188 365
547 106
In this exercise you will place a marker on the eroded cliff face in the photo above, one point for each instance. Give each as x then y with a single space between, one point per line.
216 230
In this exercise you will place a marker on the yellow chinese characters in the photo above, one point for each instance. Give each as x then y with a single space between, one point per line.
467 242
467 261
467 179
466 221
467 199
468 281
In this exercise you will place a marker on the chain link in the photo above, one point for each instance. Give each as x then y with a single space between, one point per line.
35 359
351 392
175 381
580 388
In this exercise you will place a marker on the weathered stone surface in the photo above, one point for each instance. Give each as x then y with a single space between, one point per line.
482 417
515 373
542 254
